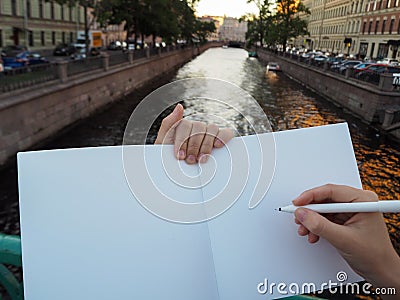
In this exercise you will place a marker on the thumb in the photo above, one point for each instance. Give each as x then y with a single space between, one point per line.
165 134
321 226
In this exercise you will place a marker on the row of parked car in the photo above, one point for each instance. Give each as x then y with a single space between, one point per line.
367 71
17 56
74 52
362 69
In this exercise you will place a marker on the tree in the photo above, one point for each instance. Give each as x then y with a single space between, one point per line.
288 22
115 12
169 19
277 26
203 29
258 23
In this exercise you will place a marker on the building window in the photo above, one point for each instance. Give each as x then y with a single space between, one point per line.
14 7
53 38
376 26
364 26
369 27
1 38
62 11
398 27
42 38
383 26
70 13
71 37
41 9
391 26
30 38
28 8
63 37
52 10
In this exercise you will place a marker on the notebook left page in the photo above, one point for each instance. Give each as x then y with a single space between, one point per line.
85 236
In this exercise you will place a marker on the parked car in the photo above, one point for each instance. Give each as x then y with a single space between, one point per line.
13 50
320 58
373 75
79 54
333 61
115 45
64 49
33 58
24 59
348 64
373 67
389 61
362 65
1 66
12 62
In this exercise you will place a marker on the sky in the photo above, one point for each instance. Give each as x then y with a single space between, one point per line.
230 8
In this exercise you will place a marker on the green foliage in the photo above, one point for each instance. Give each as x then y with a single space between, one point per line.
170 19
203 29
257 24
278 26
289 24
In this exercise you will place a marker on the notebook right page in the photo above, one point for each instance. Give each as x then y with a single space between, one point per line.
257 250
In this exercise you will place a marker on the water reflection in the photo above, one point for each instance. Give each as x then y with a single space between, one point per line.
288 106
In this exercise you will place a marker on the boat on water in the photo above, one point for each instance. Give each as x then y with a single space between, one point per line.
253 54
273 66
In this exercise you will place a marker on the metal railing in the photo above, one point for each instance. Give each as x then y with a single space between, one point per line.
18 78
84 65
118 58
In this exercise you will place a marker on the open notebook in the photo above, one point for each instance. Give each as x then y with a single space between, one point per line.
85 236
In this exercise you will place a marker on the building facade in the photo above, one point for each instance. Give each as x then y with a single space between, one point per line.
38 24
363 28
233 30
379 35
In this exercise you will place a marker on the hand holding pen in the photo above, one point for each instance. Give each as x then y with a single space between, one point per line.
361 238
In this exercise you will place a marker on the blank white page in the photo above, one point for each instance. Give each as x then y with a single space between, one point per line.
84 236
251 245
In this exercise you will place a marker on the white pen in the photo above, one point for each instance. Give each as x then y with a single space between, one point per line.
384 206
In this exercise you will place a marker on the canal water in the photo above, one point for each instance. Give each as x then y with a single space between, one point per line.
287 104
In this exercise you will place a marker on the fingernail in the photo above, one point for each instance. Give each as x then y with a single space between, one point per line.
181 154
301 214
218 143
203 158
191 158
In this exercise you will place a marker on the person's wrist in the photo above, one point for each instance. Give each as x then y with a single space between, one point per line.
388 273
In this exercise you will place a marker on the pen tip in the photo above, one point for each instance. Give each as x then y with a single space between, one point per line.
278 209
